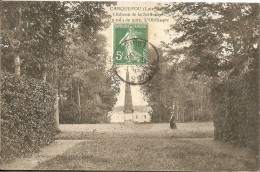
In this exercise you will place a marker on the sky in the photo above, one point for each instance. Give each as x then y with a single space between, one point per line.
156 34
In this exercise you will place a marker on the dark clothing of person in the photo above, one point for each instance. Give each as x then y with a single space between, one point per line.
172 123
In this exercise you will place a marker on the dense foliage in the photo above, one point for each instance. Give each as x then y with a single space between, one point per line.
173 90
221 41
41 33
27 113
90 92
236 110
60 43
89 99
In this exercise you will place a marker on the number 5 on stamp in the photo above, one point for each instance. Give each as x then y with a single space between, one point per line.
130 44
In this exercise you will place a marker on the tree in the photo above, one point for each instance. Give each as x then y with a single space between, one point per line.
96 100
30 30
220 37
41 35
222 42
173 90
159 91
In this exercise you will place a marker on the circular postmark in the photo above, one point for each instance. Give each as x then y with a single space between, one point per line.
143 60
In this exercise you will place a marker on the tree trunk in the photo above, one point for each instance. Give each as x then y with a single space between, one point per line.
17 65
201 101
56 107
16 44
193 111
0 107
79 99
198 99
60 100
79 105
44 77
183 115
176 111
71 93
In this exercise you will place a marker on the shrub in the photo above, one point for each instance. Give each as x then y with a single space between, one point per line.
28 121
69 113
236 111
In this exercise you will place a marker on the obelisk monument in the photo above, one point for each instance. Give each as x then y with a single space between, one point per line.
128 107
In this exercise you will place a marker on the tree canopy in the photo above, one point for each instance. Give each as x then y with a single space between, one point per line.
220 38
60 43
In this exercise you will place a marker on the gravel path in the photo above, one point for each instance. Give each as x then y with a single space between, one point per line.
58 147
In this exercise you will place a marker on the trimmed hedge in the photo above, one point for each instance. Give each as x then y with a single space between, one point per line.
28 121
236 111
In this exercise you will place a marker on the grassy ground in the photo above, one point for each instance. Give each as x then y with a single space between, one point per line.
161 130
149 147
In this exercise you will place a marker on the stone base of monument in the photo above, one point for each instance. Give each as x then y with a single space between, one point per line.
128 111
129 122
137 117
128 117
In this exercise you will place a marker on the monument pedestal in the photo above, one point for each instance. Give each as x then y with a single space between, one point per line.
128 106
128 111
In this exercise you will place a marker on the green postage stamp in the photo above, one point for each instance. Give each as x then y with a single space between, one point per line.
130 44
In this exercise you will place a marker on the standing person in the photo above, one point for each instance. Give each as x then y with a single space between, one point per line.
172 122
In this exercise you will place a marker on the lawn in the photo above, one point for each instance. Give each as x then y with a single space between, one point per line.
184 130
148 147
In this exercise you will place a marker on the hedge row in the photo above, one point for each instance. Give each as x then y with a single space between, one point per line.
236 111
27 115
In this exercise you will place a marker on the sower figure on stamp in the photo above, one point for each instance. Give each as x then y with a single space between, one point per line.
172 120
131 54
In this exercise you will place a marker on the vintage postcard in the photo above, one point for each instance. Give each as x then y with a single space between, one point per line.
129 86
